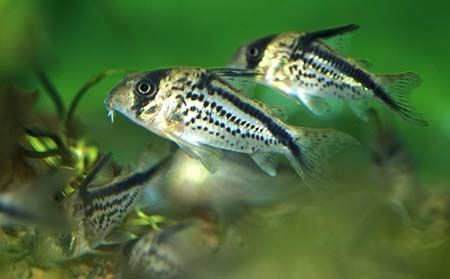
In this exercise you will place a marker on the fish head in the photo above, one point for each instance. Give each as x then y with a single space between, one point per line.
269 56
140 97
251 54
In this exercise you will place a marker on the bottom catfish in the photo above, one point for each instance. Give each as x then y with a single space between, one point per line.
203 112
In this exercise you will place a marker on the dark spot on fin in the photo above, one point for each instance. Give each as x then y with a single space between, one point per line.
395 90
328 33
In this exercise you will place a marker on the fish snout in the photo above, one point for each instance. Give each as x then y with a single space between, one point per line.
238 60
116 98
108 102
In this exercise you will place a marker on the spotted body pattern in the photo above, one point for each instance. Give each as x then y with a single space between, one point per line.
95 212
216 115
305 68
202 113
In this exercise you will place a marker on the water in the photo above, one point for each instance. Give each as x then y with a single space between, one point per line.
364 225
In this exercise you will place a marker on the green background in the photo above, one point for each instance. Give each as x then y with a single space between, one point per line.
72 40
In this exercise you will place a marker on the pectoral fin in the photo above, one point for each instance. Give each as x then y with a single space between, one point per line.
360 108
267 161
276 111
315 104
208 156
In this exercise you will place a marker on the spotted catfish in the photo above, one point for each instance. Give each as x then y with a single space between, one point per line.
94 212
307 69
201 112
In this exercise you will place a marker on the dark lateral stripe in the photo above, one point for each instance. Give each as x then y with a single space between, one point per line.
360 76
15 212
279 132
346 68
124 185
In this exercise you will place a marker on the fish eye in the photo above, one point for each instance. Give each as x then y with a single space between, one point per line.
145 88
253 52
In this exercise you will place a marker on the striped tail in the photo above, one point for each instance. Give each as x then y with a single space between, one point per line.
315 147
395 90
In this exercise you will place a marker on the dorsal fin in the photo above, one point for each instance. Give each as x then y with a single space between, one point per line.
242 79
329 35
233 72
93 173
364 63
326 34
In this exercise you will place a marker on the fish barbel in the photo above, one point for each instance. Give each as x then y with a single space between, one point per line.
202 112
307 69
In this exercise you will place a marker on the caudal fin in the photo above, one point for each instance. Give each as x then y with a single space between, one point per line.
316 146
396 91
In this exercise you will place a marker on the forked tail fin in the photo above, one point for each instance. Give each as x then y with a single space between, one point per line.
395 92
316 146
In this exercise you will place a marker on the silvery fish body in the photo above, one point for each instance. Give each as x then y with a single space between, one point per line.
203 113
304 67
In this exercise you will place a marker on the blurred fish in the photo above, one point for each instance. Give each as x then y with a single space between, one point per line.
396 168
202 113
304 67
15 111
93 213
170 253
32 204
186 187
434 216
428 213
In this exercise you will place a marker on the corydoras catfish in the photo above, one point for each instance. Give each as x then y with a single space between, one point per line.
203 113
306 68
